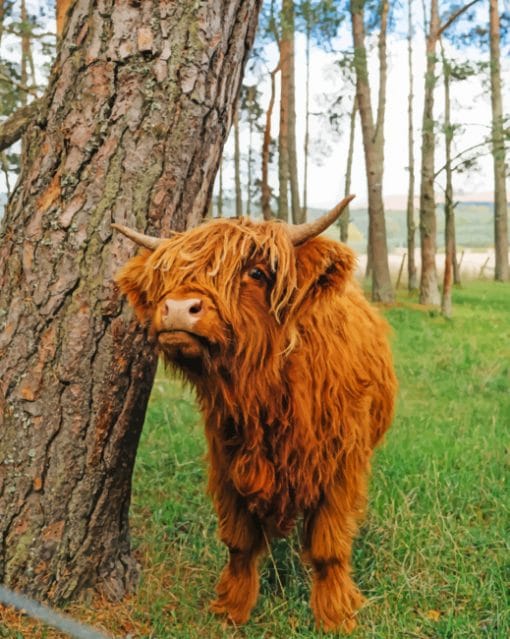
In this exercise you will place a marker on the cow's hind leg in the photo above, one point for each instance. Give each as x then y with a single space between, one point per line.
328 536
238 586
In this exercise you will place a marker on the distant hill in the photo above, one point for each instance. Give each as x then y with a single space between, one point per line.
474 224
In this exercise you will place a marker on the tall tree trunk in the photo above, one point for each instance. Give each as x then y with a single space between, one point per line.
345 217
220 189
283 135
449 232
62 11
2 16
288 30
237 165
249 171
373 144
412 281
307 126
265 189
502 272
429 291
25 52
133 132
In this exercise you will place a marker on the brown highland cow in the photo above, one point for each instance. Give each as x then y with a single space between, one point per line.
294 376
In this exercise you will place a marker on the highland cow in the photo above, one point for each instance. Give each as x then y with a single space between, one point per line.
294 376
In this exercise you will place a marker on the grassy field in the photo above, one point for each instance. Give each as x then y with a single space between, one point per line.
433 555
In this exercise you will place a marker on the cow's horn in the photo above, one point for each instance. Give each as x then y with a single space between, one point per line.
300 233
149 241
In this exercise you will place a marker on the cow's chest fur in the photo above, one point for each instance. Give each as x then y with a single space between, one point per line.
271 470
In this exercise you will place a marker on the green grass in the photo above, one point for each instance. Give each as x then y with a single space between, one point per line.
433 555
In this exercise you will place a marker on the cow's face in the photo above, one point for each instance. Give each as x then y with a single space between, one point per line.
226 291
213 291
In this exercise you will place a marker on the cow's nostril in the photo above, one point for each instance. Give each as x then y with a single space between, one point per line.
196 308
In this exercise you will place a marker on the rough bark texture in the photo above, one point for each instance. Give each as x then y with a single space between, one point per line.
412 281
429 291
502 272
373 144
139 105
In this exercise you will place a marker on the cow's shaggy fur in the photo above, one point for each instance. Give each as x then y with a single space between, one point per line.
295 380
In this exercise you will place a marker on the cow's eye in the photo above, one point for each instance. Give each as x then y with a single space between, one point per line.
257 274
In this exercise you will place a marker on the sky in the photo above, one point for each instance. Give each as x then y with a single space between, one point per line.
471 106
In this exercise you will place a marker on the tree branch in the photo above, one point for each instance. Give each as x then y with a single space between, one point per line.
13 128
21 87
459 155
455 15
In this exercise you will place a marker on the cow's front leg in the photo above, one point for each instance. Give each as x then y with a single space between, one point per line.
238 586
328 535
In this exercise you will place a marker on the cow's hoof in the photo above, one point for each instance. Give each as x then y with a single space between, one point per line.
220 607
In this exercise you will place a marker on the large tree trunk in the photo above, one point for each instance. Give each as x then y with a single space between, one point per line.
412 281
373 144
429 291
138 108
502 272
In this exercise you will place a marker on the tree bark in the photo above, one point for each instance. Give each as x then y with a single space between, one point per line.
139 104
502 272
373 144
412 281
429 291
345 217
237 165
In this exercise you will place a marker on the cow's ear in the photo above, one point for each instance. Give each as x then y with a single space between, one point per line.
323 264
135 280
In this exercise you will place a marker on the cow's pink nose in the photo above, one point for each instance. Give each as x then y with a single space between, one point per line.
181 314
